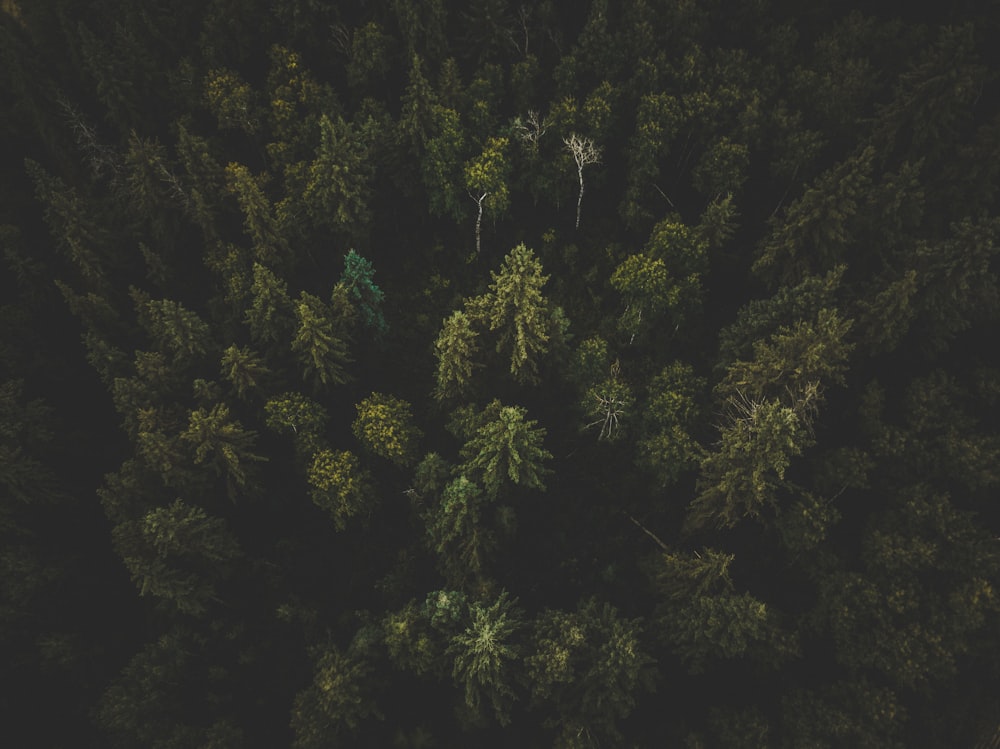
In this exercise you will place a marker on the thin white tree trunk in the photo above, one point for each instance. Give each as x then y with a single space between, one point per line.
479 218
579 198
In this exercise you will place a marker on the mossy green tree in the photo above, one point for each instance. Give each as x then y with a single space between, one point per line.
587 669
384 426
506 448
486 654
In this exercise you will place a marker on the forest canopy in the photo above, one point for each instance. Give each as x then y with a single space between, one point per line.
412 373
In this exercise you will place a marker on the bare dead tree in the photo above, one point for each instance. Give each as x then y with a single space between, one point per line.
530 129
524 16
611 401
585 152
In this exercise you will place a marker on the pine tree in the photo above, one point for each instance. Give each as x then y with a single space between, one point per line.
515 306
667 447
232 101
384 425
458 533
300 415
321 352
484 654
259 221
178 553
176 331
506 448
336 702
222 442
362 291
338 181
339 485
244 369
270 313
455 349
588 667
743 475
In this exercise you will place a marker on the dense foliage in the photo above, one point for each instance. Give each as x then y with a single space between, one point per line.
413 373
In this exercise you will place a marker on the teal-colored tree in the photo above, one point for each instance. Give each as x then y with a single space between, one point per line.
587 669
363 293
506 448
486 654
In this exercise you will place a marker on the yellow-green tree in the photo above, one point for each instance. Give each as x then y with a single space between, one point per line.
339 485
384 425
486 178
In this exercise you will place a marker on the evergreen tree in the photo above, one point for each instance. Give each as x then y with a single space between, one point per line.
514 305
179 554
384 425
588 665
321 352
223 443
485 653
339 485
363 293
506 448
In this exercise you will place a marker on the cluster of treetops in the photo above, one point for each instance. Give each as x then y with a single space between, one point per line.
417 373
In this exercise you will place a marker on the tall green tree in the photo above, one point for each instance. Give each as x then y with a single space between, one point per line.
589 667
506 448
321 352
515 306
486 653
